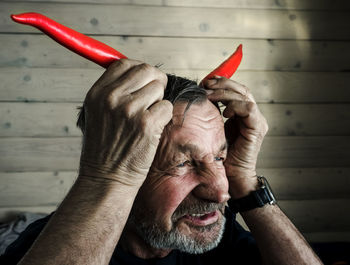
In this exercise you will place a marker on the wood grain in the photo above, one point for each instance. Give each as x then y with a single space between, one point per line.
34 188
71 85
26 50
251 4
186 22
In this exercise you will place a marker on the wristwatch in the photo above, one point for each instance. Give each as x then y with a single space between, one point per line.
255 199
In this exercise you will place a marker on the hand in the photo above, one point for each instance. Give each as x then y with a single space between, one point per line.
245 130
124 119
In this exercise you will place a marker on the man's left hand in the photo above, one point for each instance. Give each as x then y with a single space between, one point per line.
245 130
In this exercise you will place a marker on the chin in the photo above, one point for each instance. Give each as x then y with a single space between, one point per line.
192 239
202 239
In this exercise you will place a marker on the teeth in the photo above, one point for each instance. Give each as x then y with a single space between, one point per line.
197 214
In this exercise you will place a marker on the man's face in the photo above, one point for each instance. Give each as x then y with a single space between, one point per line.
181 202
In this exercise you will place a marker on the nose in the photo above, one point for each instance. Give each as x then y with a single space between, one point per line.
212 186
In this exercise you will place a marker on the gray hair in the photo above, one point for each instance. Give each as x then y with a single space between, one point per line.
178 89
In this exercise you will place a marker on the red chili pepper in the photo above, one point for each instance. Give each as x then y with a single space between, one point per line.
99 52
77 42
228 67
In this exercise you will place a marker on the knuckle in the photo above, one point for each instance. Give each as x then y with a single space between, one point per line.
110 101
146 68
158 87
128 110
251 107
121 63
265 126
116 64
163 78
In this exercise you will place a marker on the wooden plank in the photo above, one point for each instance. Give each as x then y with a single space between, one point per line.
194 53
39 154
50 154
71 85
32 84
308 120
263 4
39 119
44 188
251 4
59 119
318 215
34 188
308 183
318 220
174 21
300 151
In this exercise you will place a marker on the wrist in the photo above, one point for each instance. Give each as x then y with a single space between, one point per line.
243 185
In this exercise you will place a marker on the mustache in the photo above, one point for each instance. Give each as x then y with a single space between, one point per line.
197 207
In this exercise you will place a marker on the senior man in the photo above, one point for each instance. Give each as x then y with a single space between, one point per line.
161 178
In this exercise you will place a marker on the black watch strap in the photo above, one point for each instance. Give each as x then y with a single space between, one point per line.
254 200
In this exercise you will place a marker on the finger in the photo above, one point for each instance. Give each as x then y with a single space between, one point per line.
136 78
225 96
248 111
228 84
145 97
116 70
161 113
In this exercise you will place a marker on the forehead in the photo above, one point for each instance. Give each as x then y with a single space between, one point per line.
202 125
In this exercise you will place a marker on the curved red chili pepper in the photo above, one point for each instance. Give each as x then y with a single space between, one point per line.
99 52
229 66
77 42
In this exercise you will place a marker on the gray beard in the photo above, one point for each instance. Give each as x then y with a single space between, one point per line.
157 237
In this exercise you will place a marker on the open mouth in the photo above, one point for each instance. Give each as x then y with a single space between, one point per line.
202 219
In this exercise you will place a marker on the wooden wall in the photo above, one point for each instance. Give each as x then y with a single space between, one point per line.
296 63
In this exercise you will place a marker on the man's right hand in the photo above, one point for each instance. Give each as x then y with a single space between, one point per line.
124 119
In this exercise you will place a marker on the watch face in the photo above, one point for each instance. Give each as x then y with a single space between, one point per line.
265 184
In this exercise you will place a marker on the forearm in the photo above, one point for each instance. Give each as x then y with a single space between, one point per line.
87 225
278 239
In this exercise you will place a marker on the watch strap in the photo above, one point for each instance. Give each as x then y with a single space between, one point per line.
254 200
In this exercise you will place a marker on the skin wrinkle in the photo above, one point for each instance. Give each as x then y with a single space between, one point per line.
171 192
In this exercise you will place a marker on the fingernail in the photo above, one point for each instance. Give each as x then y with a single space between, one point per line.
211 82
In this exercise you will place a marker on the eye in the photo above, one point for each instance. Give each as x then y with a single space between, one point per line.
219 158
184 164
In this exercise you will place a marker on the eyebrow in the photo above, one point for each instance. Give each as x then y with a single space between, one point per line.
191 148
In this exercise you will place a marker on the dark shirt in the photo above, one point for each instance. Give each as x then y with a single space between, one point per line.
236 247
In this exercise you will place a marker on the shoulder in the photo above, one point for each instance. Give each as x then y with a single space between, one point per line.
21 245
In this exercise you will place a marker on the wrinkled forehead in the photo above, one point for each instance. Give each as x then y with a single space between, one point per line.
202 123
204 111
